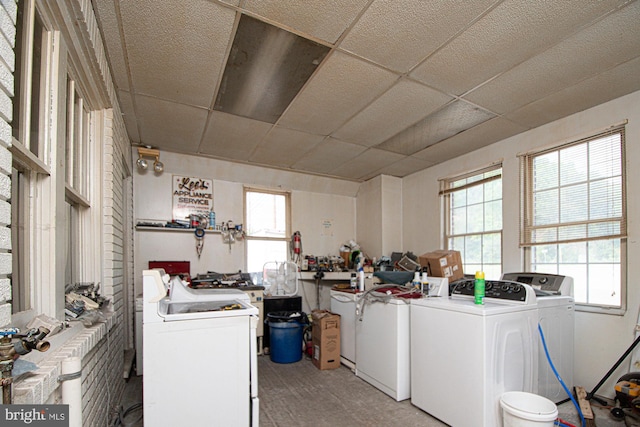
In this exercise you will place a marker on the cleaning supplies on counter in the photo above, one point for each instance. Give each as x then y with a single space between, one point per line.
425 283
478 288
361 278
416 283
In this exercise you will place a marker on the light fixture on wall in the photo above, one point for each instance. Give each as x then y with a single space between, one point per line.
143 164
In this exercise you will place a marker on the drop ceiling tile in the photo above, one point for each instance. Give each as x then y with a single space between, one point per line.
406 166
399 34
401 106
108 19
283 147
452 119
477 137
367 165
169 126
599 89
322 19
129 115
511 33
341 87
232 137
327 155
177 49
581 56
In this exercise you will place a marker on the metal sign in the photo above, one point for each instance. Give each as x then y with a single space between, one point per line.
191 196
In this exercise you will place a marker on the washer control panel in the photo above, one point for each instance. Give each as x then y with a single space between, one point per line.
497 289
553 284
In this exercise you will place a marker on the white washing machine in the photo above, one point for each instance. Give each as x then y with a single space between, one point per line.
200 362
382 344
344 304
464 356
556 316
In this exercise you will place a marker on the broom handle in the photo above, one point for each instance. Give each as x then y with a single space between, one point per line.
613 368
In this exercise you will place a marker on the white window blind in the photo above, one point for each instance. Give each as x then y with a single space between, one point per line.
473 218
574 192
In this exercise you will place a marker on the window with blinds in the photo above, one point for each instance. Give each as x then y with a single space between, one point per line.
573 214
473 219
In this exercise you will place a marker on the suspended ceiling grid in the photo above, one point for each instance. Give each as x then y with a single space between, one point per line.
404 85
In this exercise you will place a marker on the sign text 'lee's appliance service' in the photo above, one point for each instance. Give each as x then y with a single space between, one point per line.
191 196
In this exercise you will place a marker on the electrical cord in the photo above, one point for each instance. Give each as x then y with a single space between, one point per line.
564 386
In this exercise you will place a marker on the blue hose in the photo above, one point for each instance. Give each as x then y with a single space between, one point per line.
564 386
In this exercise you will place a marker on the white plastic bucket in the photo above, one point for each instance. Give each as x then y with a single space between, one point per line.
520 409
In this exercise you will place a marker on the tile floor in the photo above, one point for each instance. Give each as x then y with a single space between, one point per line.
299 394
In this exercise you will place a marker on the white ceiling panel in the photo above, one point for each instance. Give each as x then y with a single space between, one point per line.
340 88
581 56
283 147
168 125
401 106
168 62
128 112
367 165
322 19
327 155
399 34
603 87
106 13
232 137
511 33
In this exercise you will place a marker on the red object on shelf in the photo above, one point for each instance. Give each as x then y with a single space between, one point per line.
174 268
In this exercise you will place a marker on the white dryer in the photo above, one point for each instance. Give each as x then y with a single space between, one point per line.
556 316
382 342
465 356
343 302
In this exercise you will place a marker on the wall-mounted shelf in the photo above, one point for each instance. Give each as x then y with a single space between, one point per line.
171 229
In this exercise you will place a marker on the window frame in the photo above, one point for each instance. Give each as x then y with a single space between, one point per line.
287 237
447 189
527 203
34 166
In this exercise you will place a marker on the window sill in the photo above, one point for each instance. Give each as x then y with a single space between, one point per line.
615 311
36 387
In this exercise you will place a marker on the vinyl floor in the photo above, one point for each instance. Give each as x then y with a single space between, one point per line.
298 394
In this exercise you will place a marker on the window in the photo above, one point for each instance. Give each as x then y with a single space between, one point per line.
30 152
77 147
473 212
266 226
573 219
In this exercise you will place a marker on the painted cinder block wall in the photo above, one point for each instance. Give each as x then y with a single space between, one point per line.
100 346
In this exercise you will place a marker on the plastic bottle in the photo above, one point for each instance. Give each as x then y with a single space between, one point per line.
416 282
361 279
212 220
354 281
425 283
478 288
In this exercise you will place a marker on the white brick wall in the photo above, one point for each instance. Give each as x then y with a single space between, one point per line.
101 346
8 12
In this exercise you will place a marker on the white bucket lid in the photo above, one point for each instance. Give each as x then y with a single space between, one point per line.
529 406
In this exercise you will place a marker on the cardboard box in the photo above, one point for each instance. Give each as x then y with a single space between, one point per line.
325 335
443 263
